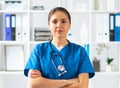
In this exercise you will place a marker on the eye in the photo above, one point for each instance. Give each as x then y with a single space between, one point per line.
54 21
64 21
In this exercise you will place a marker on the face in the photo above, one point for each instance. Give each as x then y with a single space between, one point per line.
59 24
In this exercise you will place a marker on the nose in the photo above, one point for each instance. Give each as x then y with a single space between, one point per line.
59 24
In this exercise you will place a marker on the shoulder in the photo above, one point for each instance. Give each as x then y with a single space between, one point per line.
79 49
76 46
40 45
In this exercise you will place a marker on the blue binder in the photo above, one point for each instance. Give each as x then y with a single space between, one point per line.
117 26
8 27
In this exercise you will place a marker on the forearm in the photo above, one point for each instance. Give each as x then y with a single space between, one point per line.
41 82
75 85
37 81
82 83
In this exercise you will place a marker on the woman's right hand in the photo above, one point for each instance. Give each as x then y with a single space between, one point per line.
34 73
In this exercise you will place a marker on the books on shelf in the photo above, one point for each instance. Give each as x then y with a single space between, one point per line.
102 27
107 27
117 27
106 31
13 4
15 27
10 26
24 30
111 27
114 26
42 34
14 57
18 27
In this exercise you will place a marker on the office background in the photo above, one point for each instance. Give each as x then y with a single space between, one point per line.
95 26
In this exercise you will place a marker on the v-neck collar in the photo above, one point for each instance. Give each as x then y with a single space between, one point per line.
61 50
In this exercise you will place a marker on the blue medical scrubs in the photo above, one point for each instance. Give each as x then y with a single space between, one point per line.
74 57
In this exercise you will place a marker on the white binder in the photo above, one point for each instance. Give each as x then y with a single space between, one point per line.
25 31
99 27
105 27
18 27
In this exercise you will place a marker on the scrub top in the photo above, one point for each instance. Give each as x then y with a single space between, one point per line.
74 58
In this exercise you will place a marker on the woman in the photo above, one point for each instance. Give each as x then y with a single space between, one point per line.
58 63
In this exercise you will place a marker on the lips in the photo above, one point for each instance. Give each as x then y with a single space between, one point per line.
59 30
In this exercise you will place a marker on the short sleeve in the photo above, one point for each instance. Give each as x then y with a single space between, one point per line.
85 65
33 61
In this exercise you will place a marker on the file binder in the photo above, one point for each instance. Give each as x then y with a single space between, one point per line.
117 26
99 27
18 27
24 35
105 27
8 27
111 27
13 26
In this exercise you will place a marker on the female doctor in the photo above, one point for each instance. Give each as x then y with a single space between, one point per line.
58 63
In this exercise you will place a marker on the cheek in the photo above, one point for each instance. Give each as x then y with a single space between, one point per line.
67 28
51 26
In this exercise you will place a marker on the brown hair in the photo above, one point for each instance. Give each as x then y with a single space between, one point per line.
59 9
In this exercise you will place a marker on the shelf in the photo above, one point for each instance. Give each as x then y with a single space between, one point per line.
13 11
106 42
10 72
84 16
104 11
107 73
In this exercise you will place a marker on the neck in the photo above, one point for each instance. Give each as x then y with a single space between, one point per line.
60 42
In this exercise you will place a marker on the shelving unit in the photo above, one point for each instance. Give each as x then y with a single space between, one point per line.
90 21
101 45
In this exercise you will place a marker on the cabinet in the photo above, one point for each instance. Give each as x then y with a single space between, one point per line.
90 26
102 46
